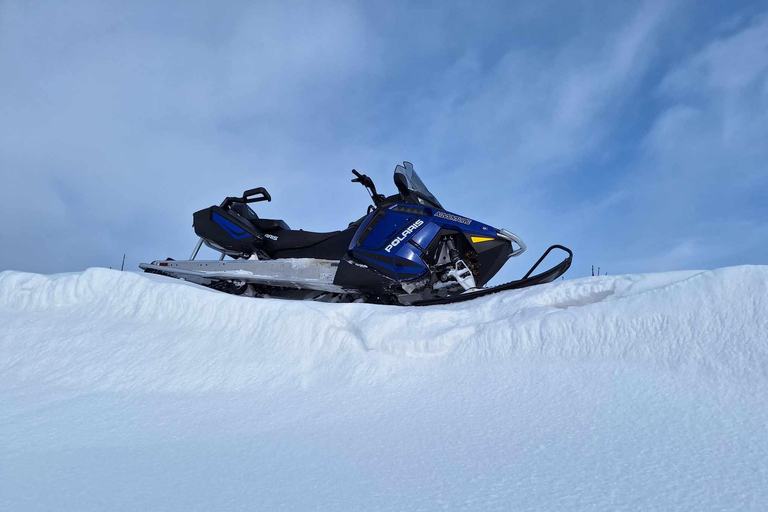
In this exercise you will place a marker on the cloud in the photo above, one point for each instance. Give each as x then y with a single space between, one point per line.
703 172
114 131
543 109
617 129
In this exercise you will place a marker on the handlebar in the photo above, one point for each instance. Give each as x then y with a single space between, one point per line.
368 184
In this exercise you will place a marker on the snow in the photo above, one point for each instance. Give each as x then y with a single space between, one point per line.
124 391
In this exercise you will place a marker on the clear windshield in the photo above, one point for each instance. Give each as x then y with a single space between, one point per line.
414 184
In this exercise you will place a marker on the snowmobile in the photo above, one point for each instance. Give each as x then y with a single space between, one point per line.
406 250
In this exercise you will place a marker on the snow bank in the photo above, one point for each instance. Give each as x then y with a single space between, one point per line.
126 391
108 330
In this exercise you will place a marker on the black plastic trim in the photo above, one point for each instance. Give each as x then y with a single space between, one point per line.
380 213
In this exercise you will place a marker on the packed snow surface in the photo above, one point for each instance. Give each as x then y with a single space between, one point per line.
123 391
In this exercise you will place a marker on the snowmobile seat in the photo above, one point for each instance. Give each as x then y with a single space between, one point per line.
289 239
268 225
306 244
287 243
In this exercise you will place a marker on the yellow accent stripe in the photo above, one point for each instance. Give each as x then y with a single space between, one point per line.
476 239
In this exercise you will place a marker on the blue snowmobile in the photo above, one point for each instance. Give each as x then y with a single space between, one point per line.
406 250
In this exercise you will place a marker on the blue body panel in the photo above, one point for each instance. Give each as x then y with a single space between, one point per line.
392 241
230 227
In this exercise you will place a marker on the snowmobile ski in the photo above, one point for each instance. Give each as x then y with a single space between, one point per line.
528 280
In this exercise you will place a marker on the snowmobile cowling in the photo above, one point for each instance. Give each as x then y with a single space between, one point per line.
406 250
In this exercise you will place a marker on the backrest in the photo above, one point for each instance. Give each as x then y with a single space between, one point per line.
244 211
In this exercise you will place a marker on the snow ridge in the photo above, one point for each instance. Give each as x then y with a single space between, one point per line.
138 392
107 330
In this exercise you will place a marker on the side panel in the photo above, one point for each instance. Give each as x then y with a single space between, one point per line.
393 241
382 242
226 230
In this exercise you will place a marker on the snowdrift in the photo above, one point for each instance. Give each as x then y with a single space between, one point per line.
126 391
107 330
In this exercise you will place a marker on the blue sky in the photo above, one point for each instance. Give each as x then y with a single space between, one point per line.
633 132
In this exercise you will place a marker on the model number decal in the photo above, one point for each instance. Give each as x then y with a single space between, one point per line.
454 218
404 235
271 237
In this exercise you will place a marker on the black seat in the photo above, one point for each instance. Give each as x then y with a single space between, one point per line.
287 243
244 211
289 239
306 244
270 224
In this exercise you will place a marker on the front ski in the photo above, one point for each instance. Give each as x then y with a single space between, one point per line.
528 280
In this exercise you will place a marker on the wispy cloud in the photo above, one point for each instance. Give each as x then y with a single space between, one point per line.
618 129
705 162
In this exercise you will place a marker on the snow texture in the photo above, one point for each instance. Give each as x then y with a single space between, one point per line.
123 391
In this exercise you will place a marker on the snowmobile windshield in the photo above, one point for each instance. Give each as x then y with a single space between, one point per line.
409 180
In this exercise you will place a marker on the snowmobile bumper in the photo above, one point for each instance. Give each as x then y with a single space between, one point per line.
508 235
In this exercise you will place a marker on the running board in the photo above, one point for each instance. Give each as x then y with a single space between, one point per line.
299 273
528 280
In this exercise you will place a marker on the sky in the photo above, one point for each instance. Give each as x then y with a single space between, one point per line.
633 132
